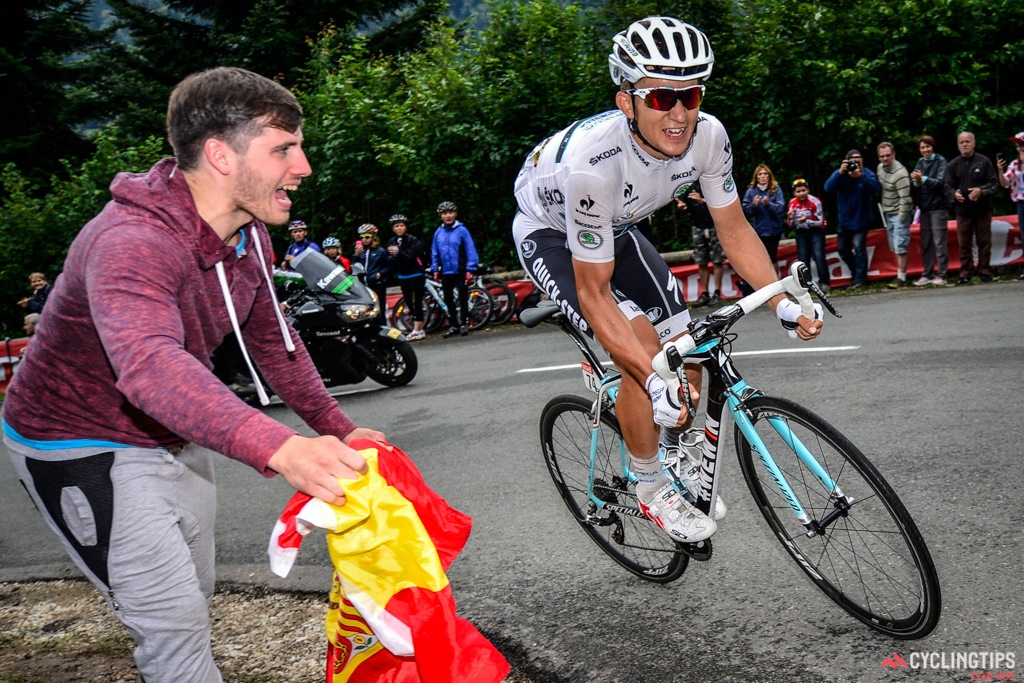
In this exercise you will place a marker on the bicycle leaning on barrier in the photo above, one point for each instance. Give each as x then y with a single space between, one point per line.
481 307
831 509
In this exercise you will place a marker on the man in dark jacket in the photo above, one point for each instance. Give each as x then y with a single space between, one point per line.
970 181
114 454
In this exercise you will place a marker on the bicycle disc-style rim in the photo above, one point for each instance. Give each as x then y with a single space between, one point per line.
632 540
872 561
504 301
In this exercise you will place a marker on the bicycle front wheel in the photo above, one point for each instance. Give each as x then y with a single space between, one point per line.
619 528
868 555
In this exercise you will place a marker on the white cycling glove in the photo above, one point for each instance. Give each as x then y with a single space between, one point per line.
788 311
667 410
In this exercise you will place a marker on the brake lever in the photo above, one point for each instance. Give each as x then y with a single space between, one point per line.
675 363
813 286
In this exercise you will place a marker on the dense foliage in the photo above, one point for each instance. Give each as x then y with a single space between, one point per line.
407 108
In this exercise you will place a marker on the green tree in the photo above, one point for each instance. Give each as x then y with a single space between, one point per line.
809 81
42 48
36 228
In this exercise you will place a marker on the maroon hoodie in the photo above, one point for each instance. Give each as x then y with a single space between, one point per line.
122 353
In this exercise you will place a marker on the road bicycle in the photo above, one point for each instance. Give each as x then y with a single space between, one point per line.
481 306
504 296
831 509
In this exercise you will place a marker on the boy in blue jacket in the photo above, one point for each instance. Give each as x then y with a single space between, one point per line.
453 260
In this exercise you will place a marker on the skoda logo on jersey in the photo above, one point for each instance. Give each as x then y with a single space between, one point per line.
628 191
589 240
528 247
654 314
682 191
604 155
729 184
585 204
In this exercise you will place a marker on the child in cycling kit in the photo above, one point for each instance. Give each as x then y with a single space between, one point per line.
580 194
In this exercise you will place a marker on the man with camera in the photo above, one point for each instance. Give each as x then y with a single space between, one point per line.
854 185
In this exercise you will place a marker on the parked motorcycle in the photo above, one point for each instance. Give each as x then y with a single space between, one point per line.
335 321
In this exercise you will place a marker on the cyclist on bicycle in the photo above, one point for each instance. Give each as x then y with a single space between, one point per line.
581 193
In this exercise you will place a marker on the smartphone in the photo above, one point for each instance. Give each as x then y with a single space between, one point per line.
999 156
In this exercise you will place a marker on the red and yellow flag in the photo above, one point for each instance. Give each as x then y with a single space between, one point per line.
392 616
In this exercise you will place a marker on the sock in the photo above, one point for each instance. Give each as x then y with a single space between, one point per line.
902 276
649 476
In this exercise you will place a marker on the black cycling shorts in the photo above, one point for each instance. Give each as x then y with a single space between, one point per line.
642 283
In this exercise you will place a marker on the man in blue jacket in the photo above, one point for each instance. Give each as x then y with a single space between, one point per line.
854 185
453 260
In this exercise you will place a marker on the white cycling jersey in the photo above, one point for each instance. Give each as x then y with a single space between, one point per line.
592 178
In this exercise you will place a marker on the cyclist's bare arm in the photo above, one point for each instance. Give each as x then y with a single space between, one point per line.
748 257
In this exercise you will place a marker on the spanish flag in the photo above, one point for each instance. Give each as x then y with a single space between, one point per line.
391 617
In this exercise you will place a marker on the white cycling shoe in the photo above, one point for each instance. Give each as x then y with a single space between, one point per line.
670 510
684 461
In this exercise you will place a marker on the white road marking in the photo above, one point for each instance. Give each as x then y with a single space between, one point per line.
766 352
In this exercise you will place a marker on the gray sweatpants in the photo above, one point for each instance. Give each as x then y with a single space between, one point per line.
139 524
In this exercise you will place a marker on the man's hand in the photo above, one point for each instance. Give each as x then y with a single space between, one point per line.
469 277
314 465
364 433
789 314
668 409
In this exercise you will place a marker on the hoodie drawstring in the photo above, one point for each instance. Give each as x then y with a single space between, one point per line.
229 304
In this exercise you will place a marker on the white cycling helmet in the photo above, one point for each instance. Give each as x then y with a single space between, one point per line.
660 47
331 242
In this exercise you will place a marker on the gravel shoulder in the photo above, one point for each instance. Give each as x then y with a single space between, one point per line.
64 631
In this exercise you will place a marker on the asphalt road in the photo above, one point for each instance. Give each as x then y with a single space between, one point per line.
930 391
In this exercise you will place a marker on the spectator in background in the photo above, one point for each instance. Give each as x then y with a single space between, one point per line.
453 260
926 188
332 250
806 216
299 243
407 261
765 206
854 186
41 289
375 262
31 320
1012 178
970 182
706 248
897 208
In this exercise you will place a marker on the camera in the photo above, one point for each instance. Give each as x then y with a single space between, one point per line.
852 165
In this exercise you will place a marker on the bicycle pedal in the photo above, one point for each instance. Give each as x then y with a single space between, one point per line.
700 551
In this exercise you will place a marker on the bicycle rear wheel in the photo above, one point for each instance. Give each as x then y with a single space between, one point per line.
433 316
504 300
870 558
480 305
401 317
620 529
